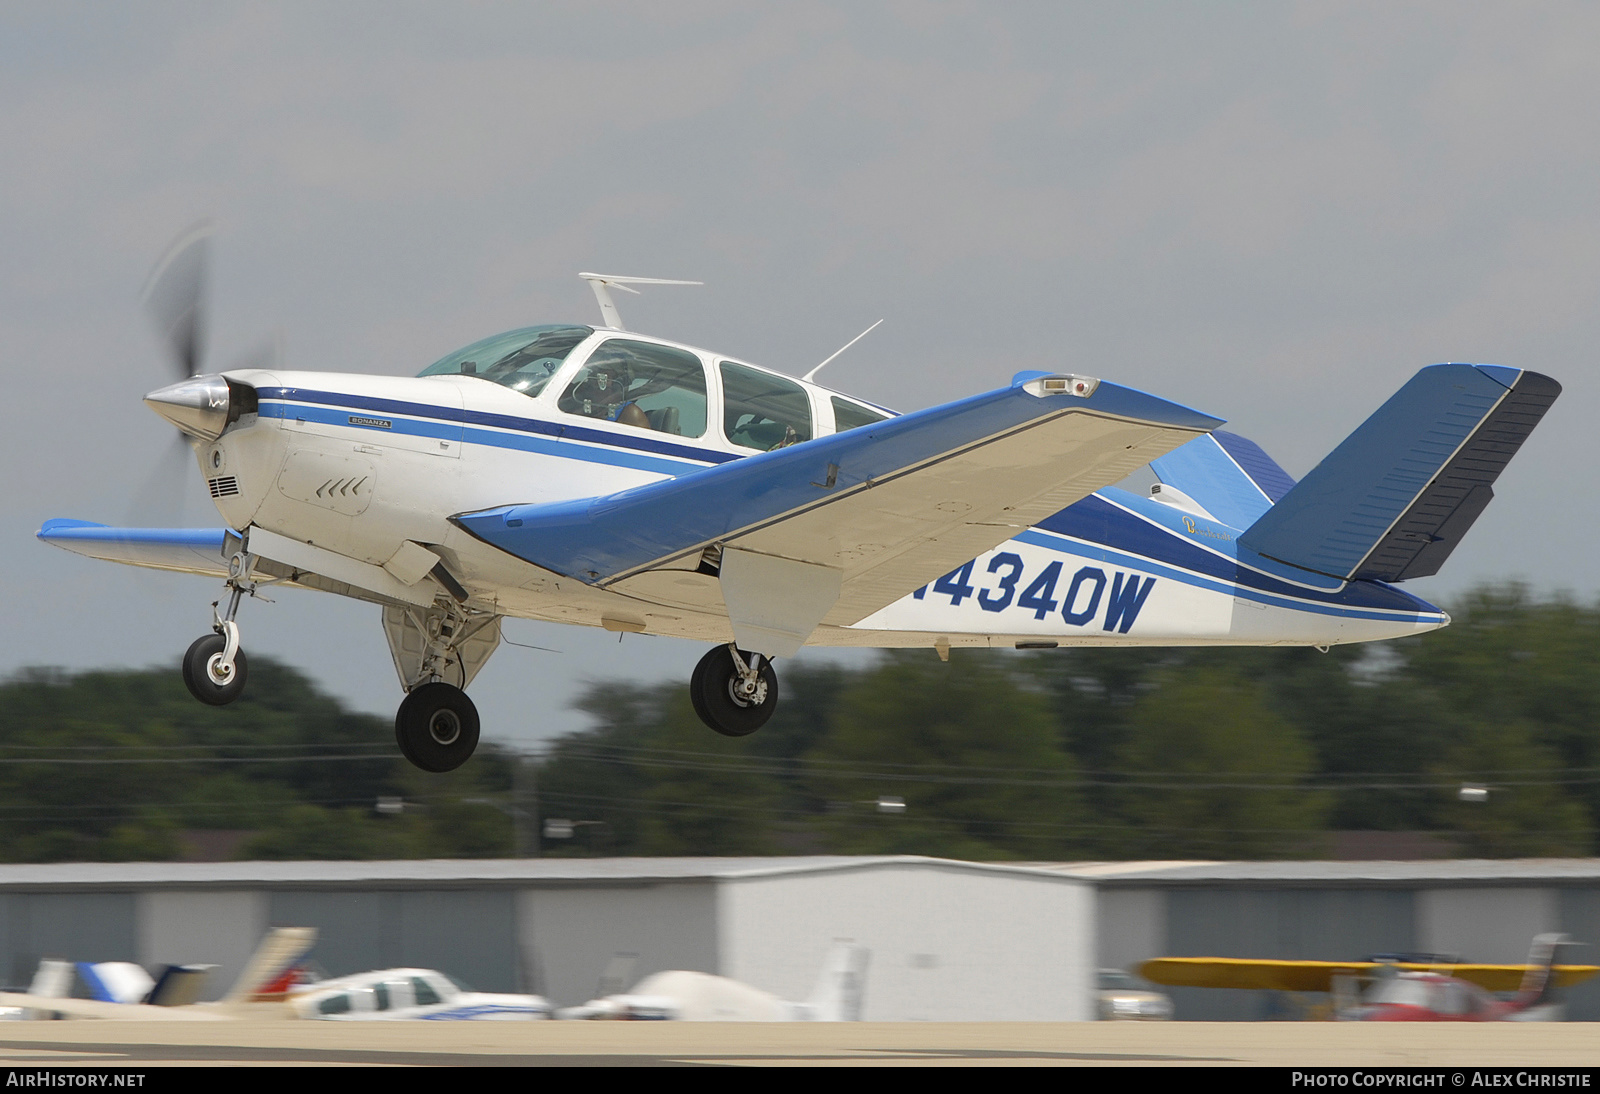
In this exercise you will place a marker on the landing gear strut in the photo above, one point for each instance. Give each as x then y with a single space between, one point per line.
734 692
214 668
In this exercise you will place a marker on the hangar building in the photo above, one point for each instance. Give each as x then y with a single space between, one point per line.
1475 909
948 941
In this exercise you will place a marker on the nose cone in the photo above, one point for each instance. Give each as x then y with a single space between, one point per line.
198 405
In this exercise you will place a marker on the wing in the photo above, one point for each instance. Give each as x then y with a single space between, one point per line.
884 508
1230 972
186 550
94 1008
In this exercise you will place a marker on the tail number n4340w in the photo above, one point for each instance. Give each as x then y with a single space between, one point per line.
1082 595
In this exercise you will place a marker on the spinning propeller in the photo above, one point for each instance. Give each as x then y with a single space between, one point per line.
175 295
199 405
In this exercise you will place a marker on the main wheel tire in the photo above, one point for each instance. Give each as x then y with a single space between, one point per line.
200 674
712 694
437 727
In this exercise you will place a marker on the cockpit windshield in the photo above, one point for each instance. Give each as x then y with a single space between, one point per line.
522 360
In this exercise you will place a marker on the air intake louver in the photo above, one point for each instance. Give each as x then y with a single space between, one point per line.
225 487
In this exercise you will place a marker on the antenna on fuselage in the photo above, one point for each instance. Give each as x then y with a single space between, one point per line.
841 349
601 284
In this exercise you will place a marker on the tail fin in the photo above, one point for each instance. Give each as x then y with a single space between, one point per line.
1228 474
52 980
841 988
279 951
1395 498
179 985
1538 983
115 981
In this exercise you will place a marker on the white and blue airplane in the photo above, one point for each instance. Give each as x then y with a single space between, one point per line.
596 476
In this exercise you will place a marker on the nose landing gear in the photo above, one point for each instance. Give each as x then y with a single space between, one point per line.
215 668
734 692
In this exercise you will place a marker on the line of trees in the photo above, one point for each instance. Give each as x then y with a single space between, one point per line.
1053 755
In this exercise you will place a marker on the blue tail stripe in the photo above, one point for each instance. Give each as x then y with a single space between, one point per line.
1206 471
1263 470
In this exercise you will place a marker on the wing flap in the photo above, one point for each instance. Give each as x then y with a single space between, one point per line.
892 505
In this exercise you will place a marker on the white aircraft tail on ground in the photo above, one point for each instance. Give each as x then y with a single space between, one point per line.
701 997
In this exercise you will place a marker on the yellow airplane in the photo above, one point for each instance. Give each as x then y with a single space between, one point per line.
1400 990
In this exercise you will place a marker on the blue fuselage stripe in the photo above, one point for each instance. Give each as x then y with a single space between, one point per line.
1100 553
589 445
304 399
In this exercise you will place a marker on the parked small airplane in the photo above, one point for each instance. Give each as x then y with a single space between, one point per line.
1400 988
121 989
410 993
688 996
596 476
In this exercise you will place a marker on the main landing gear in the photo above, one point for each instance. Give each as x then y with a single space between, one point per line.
437 651
734 692
437 727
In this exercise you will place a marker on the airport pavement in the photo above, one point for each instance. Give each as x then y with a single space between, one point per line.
127 1044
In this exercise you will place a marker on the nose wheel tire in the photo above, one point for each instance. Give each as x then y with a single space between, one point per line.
728 703
204 675
436 727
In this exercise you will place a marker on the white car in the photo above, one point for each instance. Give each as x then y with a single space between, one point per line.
1121 998
410 993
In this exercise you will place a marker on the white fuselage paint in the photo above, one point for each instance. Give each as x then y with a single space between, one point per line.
349 470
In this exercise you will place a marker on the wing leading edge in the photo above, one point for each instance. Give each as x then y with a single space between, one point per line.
185 550
889 506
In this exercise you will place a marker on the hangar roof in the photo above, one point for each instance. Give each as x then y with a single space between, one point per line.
468 873
1324 874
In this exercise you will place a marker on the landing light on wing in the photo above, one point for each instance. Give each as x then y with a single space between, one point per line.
1073 385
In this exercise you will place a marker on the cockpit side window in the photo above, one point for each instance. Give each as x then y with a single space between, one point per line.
763 411
848 415
522 360
643 385
334 1004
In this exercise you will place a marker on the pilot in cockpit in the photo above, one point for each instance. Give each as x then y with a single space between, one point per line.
604 393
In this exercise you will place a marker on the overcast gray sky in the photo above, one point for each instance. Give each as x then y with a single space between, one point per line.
1274 212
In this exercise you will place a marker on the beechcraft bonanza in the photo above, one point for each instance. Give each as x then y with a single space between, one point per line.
597 476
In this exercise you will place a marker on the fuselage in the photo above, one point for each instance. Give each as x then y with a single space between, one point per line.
359 465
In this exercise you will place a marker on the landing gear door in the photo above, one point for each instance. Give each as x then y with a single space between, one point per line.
415 640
